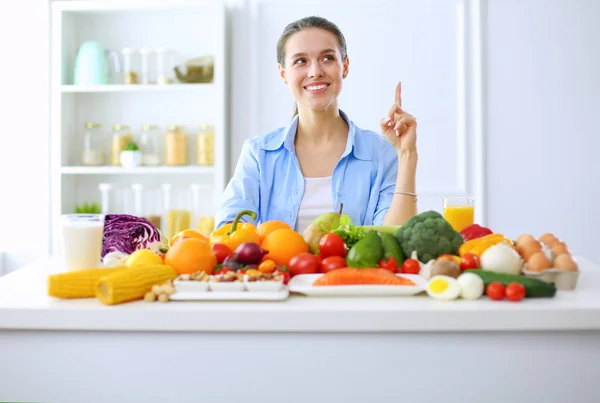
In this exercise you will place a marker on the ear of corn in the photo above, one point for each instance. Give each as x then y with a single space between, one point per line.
78 284
132 283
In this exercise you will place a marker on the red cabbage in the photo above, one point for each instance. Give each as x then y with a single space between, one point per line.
127 233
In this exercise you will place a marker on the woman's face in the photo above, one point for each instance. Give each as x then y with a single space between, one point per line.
314 68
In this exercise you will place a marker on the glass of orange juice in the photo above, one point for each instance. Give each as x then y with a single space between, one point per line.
459 212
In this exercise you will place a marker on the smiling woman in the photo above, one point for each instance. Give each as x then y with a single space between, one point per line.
322 161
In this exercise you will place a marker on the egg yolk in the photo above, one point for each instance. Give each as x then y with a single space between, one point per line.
438 285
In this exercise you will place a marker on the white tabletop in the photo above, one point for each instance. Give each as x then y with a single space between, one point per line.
24 304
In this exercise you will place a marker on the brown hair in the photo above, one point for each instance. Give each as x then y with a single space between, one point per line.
304 23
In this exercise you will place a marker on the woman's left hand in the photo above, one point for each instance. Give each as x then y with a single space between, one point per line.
399 127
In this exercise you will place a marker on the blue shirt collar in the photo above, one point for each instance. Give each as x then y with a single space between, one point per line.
354 144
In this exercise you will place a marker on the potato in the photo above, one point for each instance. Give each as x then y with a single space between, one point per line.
445 267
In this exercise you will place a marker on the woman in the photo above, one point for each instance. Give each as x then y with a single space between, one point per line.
321 160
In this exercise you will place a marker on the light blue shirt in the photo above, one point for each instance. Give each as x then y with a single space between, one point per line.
268 179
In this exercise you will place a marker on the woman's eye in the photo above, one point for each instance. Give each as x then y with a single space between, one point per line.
329 57
299 61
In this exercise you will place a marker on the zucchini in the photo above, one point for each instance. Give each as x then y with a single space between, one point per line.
534 288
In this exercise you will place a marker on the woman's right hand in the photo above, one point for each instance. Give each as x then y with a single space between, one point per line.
399 127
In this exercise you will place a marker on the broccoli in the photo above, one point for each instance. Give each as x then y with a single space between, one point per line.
430 235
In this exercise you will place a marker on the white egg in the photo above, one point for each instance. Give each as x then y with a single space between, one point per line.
443 287
471 285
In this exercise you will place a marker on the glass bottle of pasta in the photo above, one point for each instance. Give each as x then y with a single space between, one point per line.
176 146
120 138
205 145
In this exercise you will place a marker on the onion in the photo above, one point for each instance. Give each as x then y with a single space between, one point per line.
501 258
249 253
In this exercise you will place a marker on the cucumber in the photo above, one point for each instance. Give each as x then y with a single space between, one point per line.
534 288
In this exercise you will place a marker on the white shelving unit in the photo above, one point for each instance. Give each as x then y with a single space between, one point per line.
192 29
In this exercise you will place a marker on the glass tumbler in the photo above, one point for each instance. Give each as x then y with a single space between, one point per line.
82 240
459 211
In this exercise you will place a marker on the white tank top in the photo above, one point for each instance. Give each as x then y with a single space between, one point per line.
317 199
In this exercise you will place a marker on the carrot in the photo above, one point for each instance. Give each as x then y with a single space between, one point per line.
353 276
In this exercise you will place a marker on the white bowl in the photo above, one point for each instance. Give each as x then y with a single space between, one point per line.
190 285
224 286
264 285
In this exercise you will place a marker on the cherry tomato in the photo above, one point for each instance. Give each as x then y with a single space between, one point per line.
221 270
496 291
221 251
469 261
319 258
283 271
332 263
332 245
304 263
267 266
515 292
411 266
390 265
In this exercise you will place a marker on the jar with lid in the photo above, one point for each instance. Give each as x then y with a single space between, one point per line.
130 66
205 145
120 138
147 203
93 145
164 66
149 144
176 146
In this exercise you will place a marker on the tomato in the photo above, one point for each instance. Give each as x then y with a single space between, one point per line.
332 245
304 263
319 258
390 265
411 266
515 292
221 270
221 251
469 261
332 263
283 271
496 291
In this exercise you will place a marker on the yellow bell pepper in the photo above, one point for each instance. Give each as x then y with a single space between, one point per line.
234 234
469 245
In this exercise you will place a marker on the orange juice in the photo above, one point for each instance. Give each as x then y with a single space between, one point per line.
459 217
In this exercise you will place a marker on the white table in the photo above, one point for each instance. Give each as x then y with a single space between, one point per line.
411 349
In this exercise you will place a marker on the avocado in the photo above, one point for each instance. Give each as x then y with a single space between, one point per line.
367 252
391 248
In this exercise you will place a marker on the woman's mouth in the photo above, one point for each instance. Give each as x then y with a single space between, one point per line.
316 88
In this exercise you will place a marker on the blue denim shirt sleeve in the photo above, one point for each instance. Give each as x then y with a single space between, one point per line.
242 191
388 165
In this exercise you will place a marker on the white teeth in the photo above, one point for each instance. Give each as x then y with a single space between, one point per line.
316 87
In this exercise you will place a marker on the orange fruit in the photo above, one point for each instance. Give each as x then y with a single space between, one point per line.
189 255
265 228
283 245
187 233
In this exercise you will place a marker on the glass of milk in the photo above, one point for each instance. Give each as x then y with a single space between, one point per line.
82 240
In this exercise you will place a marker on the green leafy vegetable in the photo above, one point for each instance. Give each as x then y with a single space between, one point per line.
131 147
88 208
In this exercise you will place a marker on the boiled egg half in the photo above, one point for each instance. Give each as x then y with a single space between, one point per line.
443 287
471 285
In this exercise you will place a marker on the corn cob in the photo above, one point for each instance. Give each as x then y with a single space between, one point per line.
78 284
132 284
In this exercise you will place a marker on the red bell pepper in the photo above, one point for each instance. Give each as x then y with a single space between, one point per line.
390 265
475 231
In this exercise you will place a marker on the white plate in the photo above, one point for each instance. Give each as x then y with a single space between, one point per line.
190 285
302 284
232 296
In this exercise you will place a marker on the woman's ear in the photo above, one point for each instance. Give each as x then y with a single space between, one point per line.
282 72
346 67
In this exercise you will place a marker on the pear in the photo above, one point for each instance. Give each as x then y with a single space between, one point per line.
321 226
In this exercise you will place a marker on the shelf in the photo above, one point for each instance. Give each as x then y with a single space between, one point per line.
135 88
109 170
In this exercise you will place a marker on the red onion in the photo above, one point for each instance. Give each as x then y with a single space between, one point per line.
250 253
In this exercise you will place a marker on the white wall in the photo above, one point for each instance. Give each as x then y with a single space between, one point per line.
541 87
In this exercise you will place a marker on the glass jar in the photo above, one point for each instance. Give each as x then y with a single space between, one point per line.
120 138
149 145
177 214
176 146
203 209
93 145
145 70
164 66
205 145
130 66
147 203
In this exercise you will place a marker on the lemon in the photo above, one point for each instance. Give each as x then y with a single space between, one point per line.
143 257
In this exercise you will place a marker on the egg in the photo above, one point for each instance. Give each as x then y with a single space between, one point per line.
443 287
538 262
522 240
565 262
471 286
560 248
548 239
530 248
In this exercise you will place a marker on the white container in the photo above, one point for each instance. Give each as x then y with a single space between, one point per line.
190 285
226 286
130 158
82 240
262 286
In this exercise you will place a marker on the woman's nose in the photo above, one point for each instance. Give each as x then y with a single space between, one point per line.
315 70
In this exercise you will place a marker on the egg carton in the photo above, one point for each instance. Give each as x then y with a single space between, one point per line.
562 279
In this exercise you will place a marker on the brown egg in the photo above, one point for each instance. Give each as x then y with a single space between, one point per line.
548 239
530 248
560 248
565 262
538 262
523 239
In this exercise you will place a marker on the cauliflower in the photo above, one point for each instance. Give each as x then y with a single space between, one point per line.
430 235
